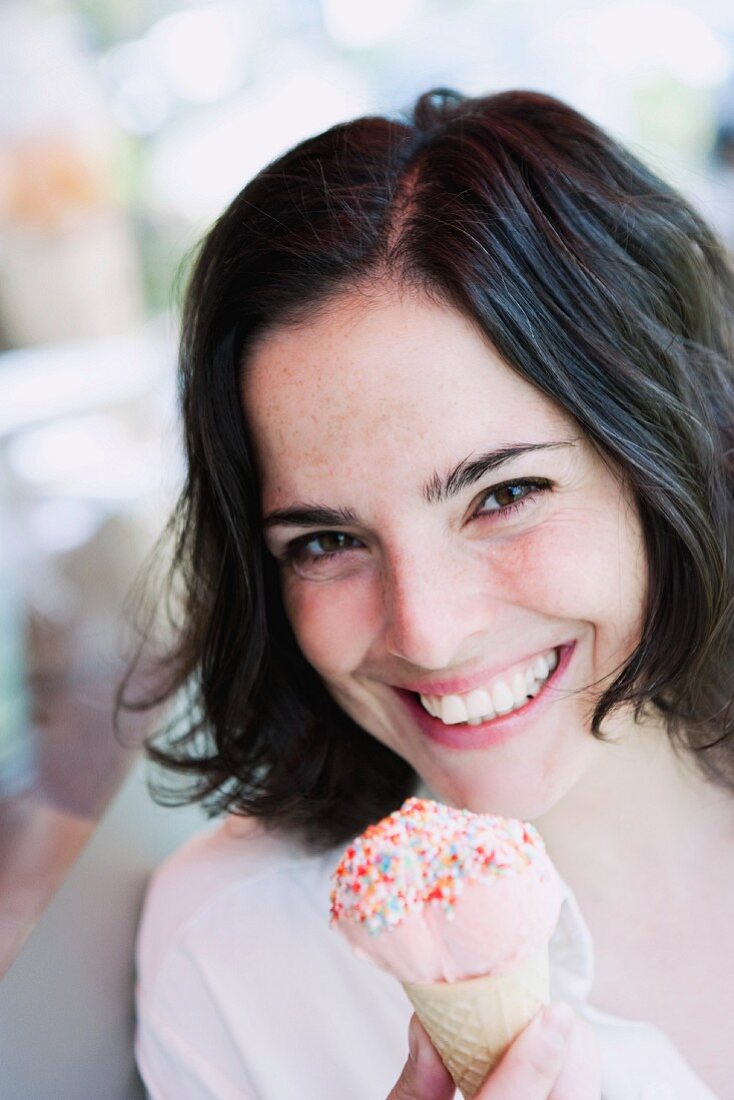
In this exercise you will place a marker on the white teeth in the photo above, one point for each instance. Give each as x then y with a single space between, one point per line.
453 710
531 684
502 697
479 704
540 668
519 689
430 702
484 704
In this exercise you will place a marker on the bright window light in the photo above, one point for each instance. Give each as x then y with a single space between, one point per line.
358 25
202 52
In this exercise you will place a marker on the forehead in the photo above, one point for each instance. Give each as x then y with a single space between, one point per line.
379 384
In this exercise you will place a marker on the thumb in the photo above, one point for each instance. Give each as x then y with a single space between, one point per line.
424 1075
532 1063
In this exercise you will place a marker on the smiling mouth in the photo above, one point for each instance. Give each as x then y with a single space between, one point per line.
502 695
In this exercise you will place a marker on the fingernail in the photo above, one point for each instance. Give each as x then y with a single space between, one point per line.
557 1021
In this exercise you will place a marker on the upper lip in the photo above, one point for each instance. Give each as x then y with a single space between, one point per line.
459 685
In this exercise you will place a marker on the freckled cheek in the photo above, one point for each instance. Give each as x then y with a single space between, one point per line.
333 622
540 571
598 578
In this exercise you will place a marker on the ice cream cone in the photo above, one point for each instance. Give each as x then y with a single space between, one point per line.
472 1022
437 895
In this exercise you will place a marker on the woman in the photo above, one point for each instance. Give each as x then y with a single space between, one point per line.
458 405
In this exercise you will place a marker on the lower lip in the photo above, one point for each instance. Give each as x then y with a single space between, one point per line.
497 730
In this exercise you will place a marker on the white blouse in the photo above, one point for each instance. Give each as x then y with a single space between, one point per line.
245 993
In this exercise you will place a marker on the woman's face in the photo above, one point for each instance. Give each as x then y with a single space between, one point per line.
441 527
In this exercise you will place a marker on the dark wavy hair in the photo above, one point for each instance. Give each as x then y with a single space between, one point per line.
592 278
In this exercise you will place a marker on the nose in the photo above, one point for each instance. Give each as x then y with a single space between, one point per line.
433 606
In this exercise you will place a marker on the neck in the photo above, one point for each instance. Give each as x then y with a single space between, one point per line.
642 815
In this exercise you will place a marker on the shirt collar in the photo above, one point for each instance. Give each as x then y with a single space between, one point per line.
571 954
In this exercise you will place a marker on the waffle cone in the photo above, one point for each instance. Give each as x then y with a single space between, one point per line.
471 1023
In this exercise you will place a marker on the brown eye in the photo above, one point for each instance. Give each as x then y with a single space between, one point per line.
509 494
505 496
329 542
323 555
510 497
324 544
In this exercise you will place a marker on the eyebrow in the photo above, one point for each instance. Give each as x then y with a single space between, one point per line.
309 515
472 469
436 489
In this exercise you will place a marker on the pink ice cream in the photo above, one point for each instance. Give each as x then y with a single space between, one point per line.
434 894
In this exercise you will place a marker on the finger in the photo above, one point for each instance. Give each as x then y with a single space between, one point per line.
531 1065
424 1075
580 1077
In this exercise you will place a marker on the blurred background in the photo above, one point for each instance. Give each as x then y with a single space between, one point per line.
125 128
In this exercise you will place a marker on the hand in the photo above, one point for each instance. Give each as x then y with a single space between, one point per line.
554 1058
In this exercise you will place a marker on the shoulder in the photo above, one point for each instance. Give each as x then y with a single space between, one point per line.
233 875
235 951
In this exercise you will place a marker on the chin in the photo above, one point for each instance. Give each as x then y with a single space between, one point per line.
524 807
519 798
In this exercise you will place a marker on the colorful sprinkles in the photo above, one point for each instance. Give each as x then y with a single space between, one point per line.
424 854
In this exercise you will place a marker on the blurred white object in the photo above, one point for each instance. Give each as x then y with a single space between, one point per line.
40 384
75 281
202 52
68 258
89 440
46 81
